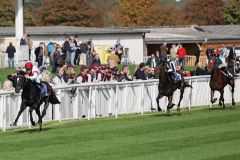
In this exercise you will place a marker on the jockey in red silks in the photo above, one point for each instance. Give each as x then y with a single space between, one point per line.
33 73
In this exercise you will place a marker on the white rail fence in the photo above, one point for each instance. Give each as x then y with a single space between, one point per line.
109 99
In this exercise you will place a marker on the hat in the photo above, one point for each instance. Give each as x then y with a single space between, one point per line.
83 67
93 67
70 66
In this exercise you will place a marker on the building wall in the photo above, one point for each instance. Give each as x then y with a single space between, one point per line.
132 41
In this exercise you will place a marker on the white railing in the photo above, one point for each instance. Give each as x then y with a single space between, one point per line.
106 99
189 60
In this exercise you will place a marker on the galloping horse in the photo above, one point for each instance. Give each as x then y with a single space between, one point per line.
218 81
166 87
31 97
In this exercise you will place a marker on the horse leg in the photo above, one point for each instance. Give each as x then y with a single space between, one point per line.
46 104
213 100
170 104
157 99
31 118
180 98
22 108
222 98
232 90
39 117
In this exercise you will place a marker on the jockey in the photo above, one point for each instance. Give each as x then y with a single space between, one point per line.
33 73
171 70
222 64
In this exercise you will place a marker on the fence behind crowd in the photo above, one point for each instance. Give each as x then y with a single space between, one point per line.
109 99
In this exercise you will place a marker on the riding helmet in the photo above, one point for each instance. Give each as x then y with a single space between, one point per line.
28 65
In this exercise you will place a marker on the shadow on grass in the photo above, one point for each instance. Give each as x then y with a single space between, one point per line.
216 108
33 130
171 114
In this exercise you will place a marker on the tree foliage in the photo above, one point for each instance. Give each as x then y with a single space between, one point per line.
232 12
7 13
205 12
132 13
69 12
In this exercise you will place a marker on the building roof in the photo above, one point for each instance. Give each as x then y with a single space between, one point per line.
193 34
70 30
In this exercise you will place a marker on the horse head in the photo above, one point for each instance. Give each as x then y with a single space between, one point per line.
212 64
20 83
160 69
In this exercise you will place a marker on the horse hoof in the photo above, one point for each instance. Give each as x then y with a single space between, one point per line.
153 109
178 109
159 109
220 104
14 124
233 103
33 123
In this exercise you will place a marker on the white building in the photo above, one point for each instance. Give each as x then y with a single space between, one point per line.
103 38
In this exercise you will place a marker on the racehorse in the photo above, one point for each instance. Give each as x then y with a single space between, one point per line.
218 81
31 97
166 87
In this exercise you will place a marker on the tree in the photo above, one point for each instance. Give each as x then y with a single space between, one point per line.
69 12
131 13
232 12
162 14
205 12
7 13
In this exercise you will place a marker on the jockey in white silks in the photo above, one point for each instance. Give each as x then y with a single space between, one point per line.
33 73
171 69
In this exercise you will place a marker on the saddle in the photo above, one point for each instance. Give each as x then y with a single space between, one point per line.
43 88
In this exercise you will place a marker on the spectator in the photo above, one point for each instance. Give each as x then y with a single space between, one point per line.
118 49
96 60
23 40
164 50
72 52
181 55
59 79
39 51
173 53
66 50
126 73
232 54
209 52
113 60
151 62
139 74
157 57
83 50
58 58
197 53
89 53
30 45
11 51
82 77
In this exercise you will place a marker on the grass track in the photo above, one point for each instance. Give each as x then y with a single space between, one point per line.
203 134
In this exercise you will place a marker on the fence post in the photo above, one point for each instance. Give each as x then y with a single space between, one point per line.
125 98
75 105
4 112
190 96
142 98
116 102
89 100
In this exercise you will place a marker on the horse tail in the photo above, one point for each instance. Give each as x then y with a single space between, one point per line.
53 98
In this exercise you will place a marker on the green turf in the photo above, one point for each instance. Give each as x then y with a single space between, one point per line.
205 134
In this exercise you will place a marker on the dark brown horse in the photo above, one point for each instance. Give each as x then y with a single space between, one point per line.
219 79
166 87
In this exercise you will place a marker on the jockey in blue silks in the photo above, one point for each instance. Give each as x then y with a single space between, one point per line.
171 69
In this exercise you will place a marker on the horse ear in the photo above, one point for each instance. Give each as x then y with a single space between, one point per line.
10 78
